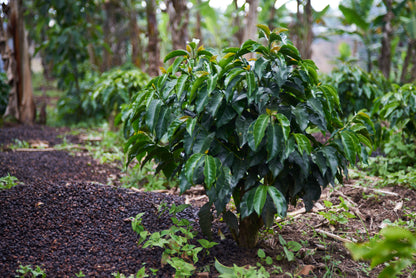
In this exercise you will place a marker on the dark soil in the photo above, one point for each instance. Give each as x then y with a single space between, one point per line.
67 216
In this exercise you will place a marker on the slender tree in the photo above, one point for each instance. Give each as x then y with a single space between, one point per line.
178 22
303 34
153 35
250 31
21 104
385 53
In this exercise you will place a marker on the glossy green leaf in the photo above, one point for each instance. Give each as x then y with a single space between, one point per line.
202 142
180 86
260 198
279 200
202 100
350 146
251 85
212 83
260 67
152 113
265 30
301 116
196 86
190 125
175 53
174 125
303 143
291 51
174 67
234 73
275 143
259 128
366 141
191 165
285 124
210 171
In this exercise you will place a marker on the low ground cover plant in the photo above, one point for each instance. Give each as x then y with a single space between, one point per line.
244 128
8 181
395 248
178 250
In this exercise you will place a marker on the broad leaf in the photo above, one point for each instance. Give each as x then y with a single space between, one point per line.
181 85
191 165
205 220
210 171
259 129
175 53
303 143
279 200
285 124
260 198
275 143
350 146
152 113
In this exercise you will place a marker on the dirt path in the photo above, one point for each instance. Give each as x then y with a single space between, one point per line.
67 219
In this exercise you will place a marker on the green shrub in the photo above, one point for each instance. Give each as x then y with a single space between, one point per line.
398 107
4 92
244 129
75 107
118 86
101 95
396 250
357 88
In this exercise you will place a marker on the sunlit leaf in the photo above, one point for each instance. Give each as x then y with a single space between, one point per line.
260 198
175 53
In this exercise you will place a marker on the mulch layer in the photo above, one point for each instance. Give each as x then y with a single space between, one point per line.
67 216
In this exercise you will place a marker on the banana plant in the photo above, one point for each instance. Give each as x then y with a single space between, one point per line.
245 129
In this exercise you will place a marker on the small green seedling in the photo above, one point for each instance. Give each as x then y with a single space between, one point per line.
178 251
28 271
140 274
290 248
8 182
337 214
240 272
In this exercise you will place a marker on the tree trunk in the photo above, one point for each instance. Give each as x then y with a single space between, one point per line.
385 54
303 34
271 22
249 231
153 34
22 79
107 55
198 32
410 53
251 20
178 23
239 35
136 55
307 49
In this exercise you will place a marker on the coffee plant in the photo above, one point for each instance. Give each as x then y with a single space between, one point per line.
398 107
245 129
356 88
101 97
117 86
